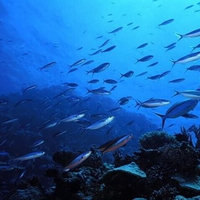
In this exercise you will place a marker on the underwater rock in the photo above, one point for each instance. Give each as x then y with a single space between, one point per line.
30 193
186 182
131 169
154 140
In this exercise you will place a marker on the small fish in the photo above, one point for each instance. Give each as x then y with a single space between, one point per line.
29 88
88 62
37 143
188 58
142 46
79 62
96 52
129 24
115 109
10 121
22 101
116 30
79 48
6 167
190 6
106 42
52 124
59 133
100 68
129 123
127 74
72 84
155 77
109 49
164 73
124 100
153 64
170 45
109 130
93 81
152 103
72 70
113 88
135 28
110 81
114 144
178 80
100 123
194 68
47 66
166 22
193 94
30 156
178 109
145 58
192 34
142 74
77 161
73 118
99 91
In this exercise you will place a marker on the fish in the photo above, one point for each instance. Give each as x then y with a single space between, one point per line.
99 91
115 109
135 28
188 58
178 109
124 100
47 66
166 22
178 80
30 156
192 34
113 88
88 62
73 118
129 123
71 84
152 103
110 81
108 49
72 70
100 68
153 64
59 133
155 77
100 123
141 74
10 121
193 94
96 52
114 144
190 6
116 30
29 88
79 62
170 45
6 167
23 101
37 143
106 42
93 81
52 124
164 73
109 130
142 46
127 74
129 24
145 58
77 161
194 68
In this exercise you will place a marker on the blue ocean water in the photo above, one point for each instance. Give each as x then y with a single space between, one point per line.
36 33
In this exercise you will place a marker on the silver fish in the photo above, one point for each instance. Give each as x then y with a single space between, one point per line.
30 156
193 94
100 123
178 109
192 34
73 118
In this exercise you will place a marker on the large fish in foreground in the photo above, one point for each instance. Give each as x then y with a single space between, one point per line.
178 109
192 34
188 58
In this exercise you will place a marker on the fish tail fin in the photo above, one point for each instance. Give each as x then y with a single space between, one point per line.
121 76
162 117
176 93
179 35
87 72
174 62
88 91
138 103
83 131
136 61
